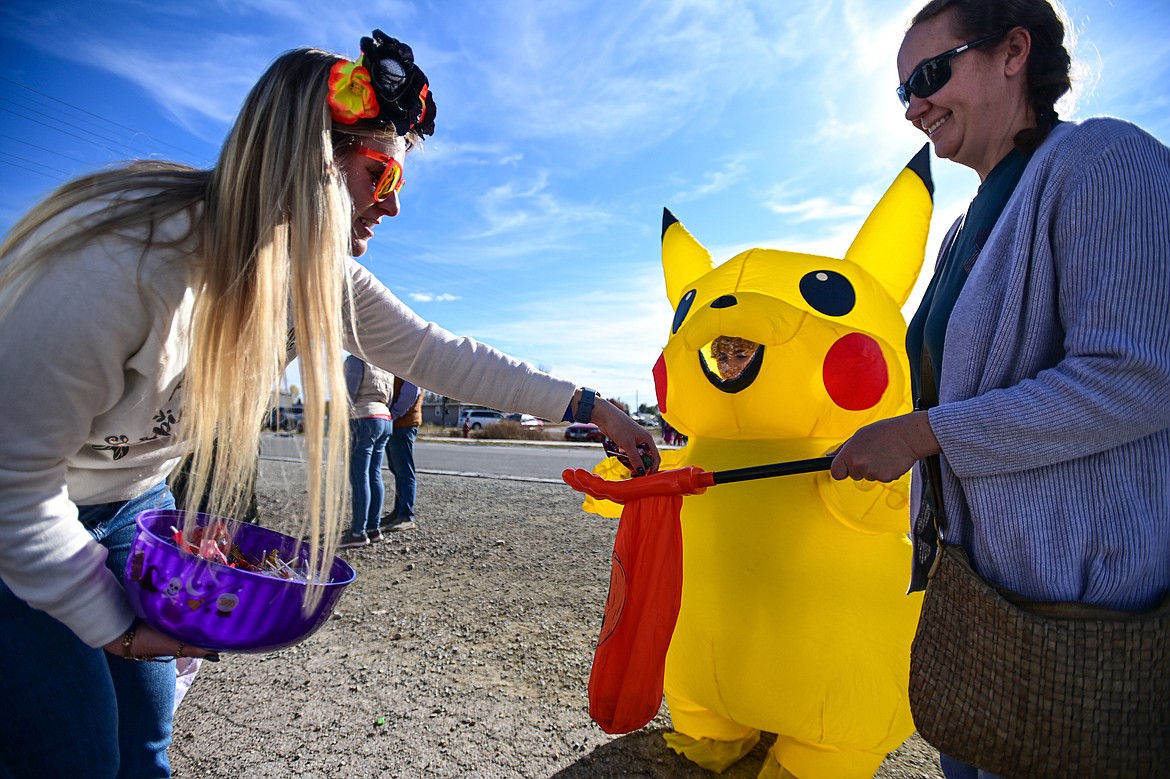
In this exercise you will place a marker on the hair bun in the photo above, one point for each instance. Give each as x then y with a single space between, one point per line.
402 89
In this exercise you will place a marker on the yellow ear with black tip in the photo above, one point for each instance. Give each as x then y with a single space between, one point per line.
683 258
892 243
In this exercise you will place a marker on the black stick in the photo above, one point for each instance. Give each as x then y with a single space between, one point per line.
775 469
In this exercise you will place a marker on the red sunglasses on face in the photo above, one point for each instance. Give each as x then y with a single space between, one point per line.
391 180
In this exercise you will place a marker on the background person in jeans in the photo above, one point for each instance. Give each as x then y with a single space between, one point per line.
406 410
370 389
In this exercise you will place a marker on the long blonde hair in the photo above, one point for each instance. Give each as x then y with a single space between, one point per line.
269 238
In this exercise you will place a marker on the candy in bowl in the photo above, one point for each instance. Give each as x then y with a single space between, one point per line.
227 585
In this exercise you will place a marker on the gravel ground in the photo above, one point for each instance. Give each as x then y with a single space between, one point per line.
462 650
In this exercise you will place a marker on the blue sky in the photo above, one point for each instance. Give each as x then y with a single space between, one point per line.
532 219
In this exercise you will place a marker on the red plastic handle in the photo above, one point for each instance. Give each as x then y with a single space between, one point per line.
683 481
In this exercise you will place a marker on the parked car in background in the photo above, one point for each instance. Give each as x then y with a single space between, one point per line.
584 431
527 420
645 420
478 418
290 419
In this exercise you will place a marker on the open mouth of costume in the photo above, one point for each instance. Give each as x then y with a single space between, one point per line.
736 362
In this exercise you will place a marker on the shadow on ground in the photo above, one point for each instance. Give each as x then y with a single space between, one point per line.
645 753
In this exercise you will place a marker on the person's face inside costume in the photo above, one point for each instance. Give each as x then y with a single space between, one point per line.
369 172
971 117
732 355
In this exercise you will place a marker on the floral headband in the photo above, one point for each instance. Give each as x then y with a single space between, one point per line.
383 86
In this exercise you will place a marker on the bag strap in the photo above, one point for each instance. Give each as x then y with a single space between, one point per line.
930 521
928 398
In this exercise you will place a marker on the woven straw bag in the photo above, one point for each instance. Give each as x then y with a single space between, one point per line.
1039 690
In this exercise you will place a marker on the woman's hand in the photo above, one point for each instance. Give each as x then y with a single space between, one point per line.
146 643
626 433
886 449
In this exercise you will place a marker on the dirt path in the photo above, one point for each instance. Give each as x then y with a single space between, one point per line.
463 650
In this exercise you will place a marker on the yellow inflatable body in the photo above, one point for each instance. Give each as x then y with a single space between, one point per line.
794 617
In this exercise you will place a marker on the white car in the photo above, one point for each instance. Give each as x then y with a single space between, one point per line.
477 418
645 420
526 420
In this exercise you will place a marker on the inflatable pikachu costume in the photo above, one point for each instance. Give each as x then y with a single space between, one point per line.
794 617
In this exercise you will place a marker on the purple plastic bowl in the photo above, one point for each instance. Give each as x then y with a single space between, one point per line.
210 605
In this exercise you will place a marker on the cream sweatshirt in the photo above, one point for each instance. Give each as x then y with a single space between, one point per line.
91 364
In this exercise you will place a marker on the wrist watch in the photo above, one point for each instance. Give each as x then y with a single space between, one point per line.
585 404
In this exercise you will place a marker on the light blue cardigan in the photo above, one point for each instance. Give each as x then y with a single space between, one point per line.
1054 414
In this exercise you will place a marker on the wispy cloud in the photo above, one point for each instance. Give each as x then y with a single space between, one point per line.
430 297
196 65
458 154
307 17
547 72
815 208
191 89
861 120
531 207
629 322
726 174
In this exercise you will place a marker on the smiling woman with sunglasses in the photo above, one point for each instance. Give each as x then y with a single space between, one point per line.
1041 369
146 313
933 74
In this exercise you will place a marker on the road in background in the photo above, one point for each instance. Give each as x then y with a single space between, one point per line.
503 460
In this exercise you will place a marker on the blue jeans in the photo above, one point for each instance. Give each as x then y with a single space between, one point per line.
367 440
69 709
400 450
953 769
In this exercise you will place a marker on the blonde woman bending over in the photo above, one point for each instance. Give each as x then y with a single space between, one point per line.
148 312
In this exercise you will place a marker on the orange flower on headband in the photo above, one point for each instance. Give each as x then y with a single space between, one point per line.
351 95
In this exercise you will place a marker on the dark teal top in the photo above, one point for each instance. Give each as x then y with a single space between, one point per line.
929 324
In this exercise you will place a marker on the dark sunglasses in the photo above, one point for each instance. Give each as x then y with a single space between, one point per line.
391 180
933 75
